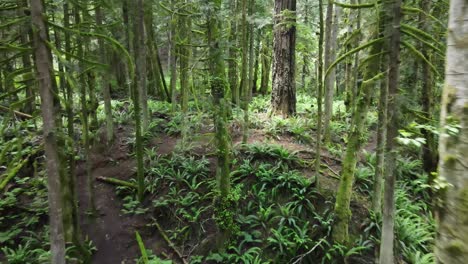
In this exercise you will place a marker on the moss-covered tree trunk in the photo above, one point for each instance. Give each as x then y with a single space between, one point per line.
283 96
218 85
381 139
173 57
331 35
105 85
139 80
244 84
265 58
430 156
318 142
393 8
44 69
84 113
233 52
452 238
185 55
359 114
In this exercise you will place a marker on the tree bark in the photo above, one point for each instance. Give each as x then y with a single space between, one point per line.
430 157
138 87
393 8
218 87
283 96
44 76
105 85
452 238
318 142
233 52
331 34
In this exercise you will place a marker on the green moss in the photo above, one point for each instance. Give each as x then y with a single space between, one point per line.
457 248
450 160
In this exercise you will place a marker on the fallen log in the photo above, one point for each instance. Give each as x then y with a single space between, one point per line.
117 182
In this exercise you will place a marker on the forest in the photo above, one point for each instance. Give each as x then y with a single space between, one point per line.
234 131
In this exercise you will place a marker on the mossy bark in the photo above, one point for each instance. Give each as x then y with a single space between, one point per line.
233 52
43 65
140 75
392 30
318 142
105 85
218 85
331 35
452 238
343 196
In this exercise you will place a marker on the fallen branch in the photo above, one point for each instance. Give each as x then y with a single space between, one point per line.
18 113
117 182
300 257
13 173
334 172
169 242
312 153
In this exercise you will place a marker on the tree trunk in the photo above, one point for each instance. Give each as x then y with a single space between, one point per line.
331 35
249 84
173 58
343 196
266 65
244 83
318 142
232 72
184 42
430 157
29 106
139 83
452 239
105 85
218 88
381 136
393 8
85 115
283 96
44 76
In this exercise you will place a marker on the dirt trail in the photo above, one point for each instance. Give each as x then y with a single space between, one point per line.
112 232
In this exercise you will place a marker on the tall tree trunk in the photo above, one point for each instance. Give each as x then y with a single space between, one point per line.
452 239
343 196
85 115
44 76
173 58
256 63
283 96
105 85
266 65
244 83
218 88
232 72
249 84
430 157
330 54
29 106
318 141
305 56
381 137
138 87
184 38
69 182
393 8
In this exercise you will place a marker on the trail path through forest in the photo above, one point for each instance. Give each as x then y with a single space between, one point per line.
113 232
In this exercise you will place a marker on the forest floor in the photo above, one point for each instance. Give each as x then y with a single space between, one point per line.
113 232
279 213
